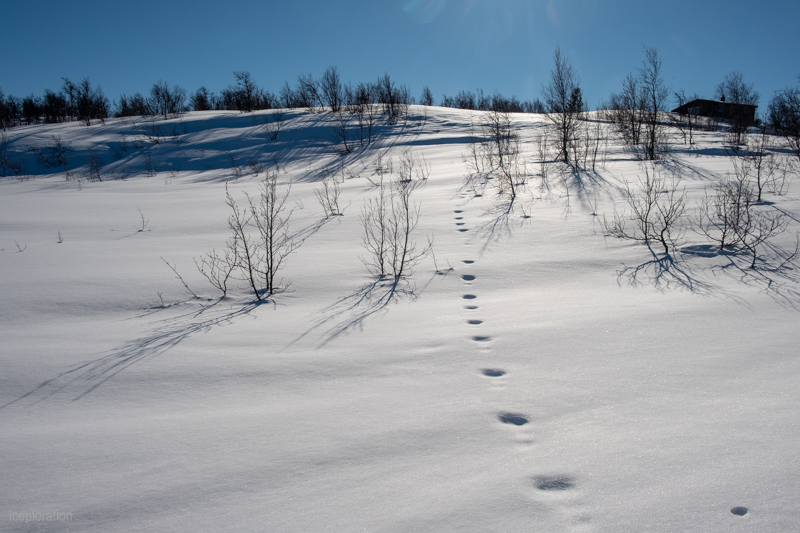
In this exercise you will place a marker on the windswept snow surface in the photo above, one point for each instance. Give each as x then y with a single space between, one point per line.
547 378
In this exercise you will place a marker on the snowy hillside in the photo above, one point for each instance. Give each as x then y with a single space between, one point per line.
533 373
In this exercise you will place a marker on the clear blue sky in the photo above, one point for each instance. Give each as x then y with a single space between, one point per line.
448 45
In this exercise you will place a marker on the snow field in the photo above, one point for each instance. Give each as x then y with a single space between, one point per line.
546 377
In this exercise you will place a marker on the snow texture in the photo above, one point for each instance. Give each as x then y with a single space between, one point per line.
540 375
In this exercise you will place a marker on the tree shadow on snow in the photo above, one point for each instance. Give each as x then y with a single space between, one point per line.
780 283
85 377
663 272
350 312
499 221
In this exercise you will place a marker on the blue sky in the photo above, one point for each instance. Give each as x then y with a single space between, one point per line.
448 45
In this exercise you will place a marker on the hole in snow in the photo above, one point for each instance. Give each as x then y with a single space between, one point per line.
458 211
467 262
493 373
554 482
469 296
478 338
459 218
460 223
474 322
512 418
463 229
470 307
468 277
739 511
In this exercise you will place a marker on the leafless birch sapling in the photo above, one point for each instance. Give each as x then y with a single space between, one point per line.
719 215
657 207
655 93
494 153
328 196
340 126
54 154
375 221
564 103
219 268
404 253
271 220
389 220
734 216
246 250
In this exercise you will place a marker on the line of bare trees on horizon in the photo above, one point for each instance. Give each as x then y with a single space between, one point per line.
640 110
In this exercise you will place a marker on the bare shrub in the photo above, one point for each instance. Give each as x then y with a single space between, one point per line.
783 169
542 147
733 216
719 215
149 164
260 242
496 154
328 196
143 222
93 165
219 268
784 117
375 220
757 227
53 154
651 78
340 127
388 221
151 130
687 123
255 167
564 102
16 166
760 157
119 149
174 269
657 207
271 220
236 168
413 167
596 146
272 129
639 109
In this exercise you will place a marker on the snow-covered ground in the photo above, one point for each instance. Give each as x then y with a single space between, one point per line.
547 377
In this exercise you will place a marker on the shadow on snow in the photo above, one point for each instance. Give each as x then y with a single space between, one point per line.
84 378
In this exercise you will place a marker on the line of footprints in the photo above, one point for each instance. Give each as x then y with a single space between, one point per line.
541 483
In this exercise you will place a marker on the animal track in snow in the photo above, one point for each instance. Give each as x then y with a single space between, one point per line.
471 307
459 218
469 297
740 511
458 211
474 322
468 277
468 262
460 223
553 483
463 229
493 372
479 338
512 418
